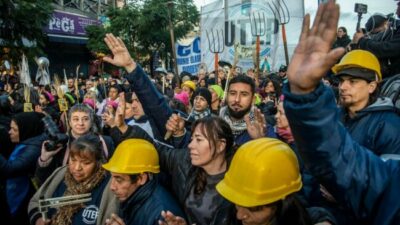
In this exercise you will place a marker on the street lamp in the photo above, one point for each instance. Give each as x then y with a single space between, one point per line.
170 6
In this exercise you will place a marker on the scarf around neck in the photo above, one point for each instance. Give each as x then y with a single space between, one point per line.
64 215
237 126
195 115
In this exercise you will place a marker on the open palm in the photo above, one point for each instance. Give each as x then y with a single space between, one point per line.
313 56
121 56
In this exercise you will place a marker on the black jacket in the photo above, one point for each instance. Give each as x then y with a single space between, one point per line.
341 42
386 51
178 164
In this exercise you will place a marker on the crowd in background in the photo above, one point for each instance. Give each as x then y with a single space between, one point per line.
315 142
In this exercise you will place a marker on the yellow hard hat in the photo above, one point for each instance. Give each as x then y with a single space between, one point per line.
262 171
189 84
360 59
134 156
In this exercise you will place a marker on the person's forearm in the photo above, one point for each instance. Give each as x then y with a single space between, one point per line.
130 67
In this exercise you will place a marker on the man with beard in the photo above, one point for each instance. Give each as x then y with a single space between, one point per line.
371 120
246 121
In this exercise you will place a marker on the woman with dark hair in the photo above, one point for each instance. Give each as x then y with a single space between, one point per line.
16 171
194 171
270 92
342 38
81 122
83 174
200 168
255 184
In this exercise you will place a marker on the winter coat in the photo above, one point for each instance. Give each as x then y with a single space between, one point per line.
385 50
102 205
147 124
154 104
183 175
245 136
144 206
18 172
357 178
342 42
377 127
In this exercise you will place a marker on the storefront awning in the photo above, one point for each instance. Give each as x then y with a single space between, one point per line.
67 39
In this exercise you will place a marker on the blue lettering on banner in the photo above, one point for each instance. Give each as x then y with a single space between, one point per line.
182 61
189 57
194 48
195 59
191 69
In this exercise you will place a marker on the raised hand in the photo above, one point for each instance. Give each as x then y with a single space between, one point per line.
313 56
120 114
108 119
121 56
256 128
171 219
175 125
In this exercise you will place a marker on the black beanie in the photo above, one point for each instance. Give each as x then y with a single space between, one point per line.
29 124
203 92
375 21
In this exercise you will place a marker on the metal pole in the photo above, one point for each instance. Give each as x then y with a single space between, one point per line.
170 4
257 57
285 44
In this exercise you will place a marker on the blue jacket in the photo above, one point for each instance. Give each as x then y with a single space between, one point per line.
18 170
376 127
154 104
144 206
356 177
245 136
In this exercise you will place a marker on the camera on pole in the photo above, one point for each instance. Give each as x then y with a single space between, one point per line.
360 9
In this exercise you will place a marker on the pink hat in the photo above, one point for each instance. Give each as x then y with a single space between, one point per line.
113 104
48 96
182 97
89 102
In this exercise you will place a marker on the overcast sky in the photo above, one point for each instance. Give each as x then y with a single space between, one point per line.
348 17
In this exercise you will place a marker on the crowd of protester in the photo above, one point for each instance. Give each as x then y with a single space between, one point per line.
314 142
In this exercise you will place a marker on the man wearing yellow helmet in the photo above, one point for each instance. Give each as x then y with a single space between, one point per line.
371 120
133 167
361 182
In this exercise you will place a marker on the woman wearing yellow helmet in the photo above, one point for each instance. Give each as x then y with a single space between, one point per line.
262 181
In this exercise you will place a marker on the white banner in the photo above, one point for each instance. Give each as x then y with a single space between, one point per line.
188 57
240 22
